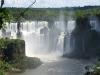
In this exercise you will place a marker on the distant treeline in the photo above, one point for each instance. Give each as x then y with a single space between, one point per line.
54 13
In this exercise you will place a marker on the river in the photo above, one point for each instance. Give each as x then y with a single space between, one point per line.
61 66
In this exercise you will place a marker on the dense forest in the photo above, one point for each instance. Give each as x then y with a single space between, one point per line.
48 13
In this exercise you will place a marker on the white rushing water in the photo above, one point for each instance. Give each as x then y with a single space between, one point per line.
95 24
40 40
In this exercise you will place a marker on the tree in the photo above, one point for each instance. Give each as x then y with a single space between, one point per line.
19 19
2 3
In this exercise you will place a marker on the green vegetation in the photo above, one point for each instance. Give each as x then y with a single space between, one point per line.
54 13
10 50
93 69
26 63
4 17
4 67
12 56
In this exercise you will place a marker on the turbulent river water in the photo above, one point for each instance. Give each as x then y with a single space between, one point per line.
61 66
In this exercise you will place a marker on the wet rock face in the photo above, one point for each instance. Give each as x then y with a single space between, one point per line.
82 24
84 41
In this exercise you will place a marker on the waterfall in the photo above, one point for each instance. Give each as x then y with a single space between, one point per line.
60 44
94 22
35 36
67 38
38 37
63 43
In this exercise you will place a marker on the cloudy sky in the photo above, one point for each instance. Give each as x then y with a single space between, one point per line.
50 3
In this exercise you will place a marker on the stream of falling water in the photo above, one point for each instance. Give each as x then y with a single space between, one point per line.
40 40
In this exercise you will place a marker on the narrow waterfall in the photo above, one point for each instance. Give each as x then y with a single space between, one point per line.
63 43
67 38
61 26
60 37
94 22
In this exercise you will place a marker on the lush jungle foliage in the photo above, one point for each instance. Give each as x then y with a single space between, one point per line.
54 13
10 50
12 56
4 17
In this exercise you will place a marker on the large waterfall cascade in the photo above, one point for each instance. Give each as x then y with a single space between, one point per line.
37 37
42 41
